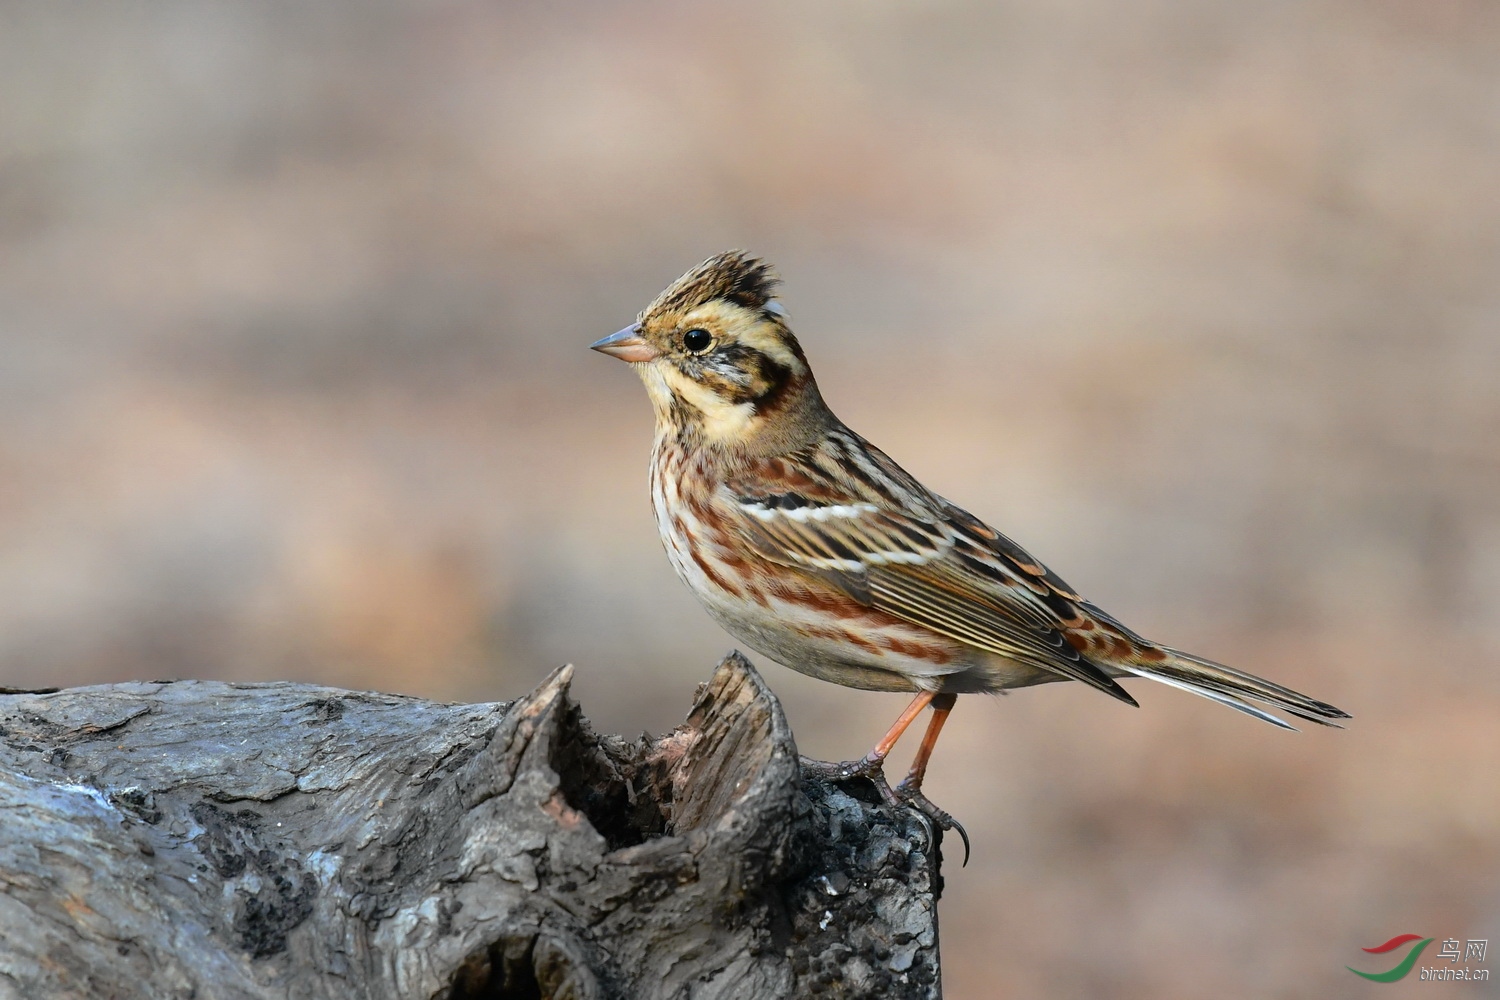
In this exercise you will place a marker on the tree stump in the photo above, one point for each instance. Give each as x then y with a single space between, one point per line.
194 839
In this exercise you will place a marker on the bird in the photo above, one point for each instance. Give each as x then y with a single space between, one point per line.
811 545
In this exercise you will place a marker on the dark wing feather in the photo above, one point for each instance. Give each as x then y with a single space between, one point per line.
918 569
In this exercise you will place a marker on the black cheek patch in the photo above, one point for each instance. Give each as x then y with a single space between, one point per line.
739 374
776 379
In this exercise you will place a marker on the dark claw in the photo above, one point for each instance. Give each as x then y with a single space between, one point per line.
913 797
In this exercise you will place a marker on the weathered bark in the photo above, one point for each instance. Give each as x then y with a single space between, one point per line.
202 840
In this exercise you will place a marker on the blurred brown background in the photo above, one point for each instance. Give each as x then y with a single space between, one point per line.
1201 302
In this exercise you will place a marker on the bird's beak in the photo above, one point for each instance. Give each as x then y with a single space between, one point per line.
626 345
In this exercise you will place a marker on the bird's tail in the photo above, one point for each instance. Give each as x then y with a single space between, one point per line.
1235 688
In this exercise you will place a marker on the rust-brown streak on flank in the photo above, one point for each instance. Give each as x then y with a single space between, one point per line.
695 551
759 596
731 559
853 617
916 650
844 635
826 601
701 509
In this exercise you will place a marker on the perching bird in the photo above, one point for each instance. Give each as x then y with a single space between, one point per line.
808 543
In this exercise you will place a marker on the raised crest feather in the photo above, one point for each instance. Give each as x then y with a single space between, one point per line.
733 275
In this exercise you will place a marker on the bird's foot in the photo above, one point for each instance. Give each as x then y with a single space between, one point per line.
910 793
868 766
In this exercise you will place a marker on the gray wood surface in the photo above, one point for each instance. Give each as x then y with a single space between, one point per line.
195 839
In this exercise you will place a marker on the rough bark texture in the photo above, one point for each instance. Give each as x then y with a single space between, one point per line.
199 840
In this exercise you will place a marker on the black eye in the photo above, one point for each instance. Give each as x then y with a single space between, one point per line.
697 341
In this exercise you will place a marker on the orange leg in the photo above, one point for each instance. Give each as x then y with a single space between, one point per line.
871 764
888 741
941 705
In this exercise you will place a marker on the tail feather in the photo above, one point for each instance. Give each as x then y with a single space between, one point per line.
1236 689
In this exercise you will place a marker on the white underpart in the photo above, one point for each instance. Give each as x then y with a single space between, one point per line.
664 498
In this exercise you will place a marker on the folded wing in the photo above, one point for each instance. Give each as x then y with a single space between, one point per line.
924 570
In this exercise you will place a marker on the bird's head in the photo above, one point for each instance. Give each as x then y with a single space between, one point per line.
719 361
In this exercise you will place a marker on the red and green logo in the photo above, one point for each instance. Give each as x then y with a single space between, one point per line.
1402 967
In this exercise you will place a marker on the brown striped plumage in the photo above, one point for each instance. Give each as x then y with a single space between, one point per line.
811 545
